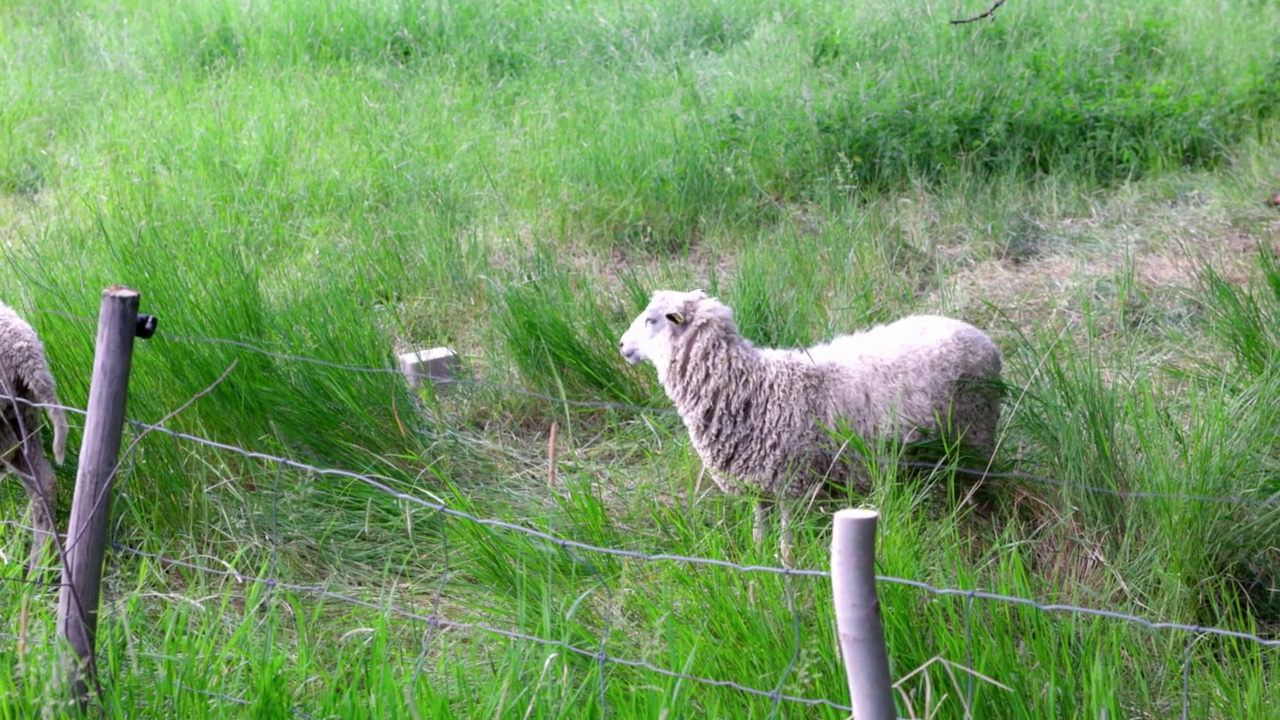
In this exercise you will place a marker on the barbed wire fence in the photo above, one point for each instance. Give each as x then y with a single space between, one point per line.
580 552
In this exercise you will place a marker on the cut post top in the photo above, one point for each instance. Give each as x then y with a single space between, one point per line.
858 514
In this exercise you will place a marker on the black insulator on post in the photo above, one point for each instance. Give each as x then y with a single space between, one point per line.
146 326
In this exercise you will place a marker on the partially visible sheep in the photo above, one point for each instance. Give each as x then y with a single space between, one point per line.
762 418
24 374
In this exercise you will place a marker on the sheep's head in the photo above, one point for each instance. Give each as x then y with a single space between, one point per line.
669 316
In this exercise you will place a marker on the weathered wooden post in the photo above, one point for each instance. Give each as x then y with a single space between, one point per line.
853 581
118 324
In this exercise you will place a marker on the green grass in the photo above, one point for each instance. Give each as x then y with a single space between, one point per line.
344 181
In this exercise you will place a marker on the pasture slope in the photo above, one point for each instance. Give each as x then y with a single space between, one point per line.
307 188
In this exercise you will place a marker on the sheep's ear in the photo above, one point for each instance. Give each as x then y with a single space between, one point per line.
676 318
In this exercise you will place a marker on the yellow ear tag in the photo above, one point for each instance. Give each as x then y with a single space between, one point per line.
676 318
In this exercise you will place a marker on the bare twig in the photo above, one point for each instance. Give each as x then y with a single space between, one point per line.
551 456
97 503
22 630
950 668
991 11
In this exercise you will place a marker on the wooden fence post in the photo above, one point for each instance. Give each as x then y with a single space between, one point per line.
853 582
91 505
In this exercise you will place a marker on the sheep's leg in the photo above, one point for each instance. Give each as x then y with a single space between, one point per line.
784 526
761 526
41 487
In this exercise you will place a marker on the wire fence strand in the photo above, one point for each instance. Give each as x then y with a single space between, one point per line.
462 514
436 621
1078 610
602 657
1272 500
796 645
364 369
657 557
604 404
564 542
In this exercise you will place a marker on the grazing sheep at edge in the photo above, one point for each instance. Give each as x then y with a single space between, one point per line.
761 417
24 374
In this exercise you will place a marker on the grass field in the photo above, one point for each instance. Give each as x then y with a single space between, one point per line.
343 180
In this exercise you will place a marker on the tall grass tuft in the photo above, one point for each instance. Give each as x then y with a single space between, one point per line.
561 331
1247 320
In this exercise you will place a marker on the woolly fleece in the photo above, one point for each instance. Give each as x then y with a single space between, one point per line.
759 416
24 373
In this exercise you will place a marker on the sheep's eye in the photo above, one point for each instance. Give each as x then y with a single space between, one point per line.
648 321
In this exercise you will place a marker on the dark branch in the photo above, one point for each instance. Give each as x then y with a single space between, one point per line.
990 11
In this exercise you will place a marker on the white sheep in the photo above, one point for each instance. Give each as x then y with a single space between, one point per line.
762 419
24 374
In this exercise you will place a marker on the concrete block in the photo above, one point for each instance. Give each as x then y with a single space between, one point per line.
439 363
